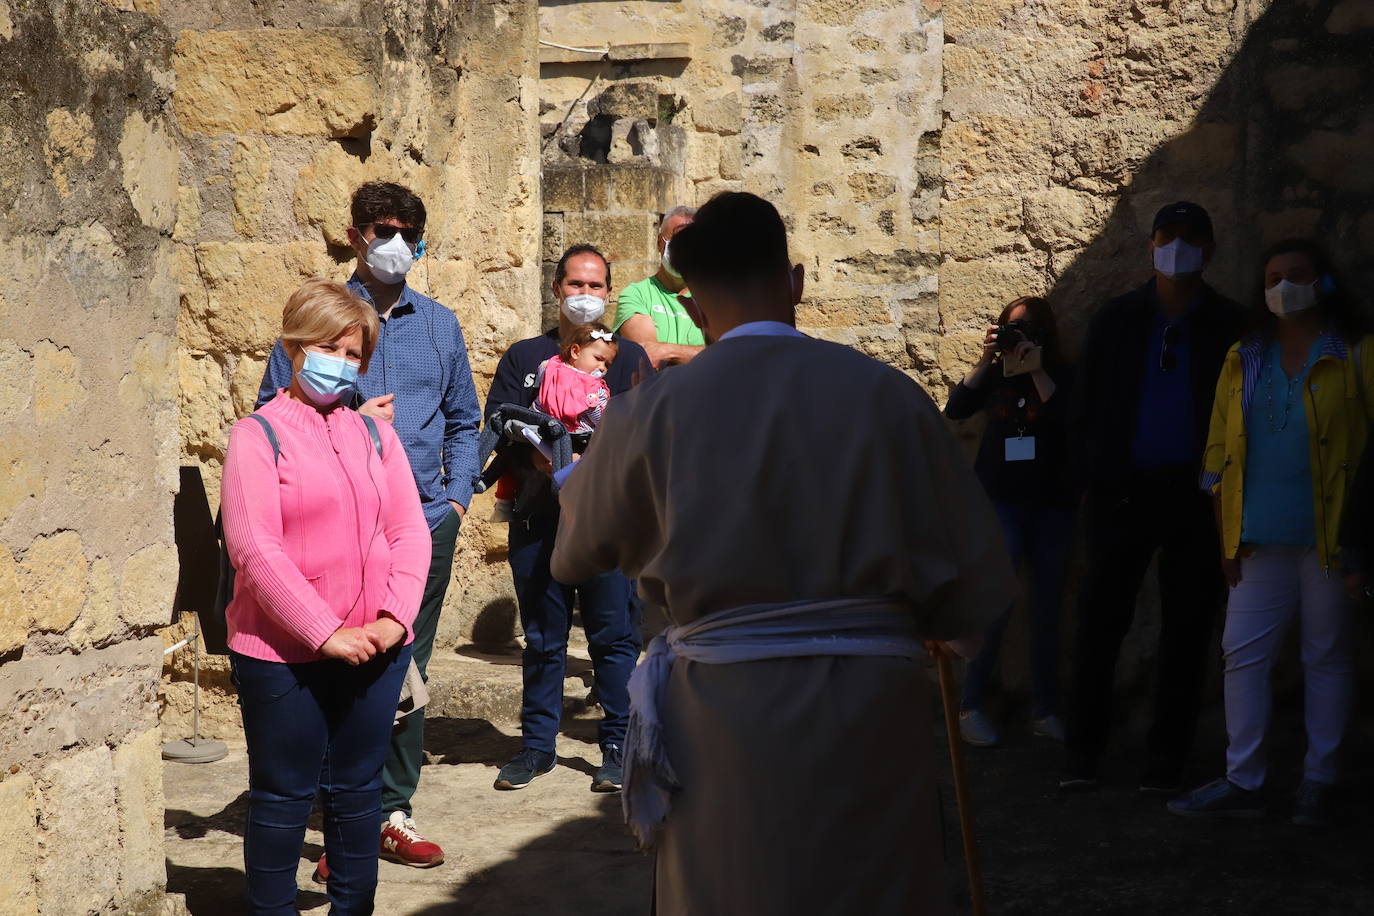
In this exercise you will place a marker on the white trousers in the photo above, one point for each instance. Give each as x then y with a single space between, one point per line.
1275 583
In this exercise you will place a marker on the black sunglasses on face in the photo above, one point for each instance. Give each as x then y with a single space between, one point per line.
386 231
1168 357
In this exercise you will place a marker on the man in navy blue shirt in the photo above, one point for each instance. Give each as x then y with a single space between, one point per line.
1149 372
419 380
582 278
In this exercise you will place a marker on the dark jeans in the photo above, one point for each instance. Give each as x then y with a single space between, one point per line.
546 616
315 727
1040 536
402 772
1125 525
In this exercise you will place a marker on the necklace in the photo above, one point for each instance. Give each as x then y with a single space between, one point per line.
1293 384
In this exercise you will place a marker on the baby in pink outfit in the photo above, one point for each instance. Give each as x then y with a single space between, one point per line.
572 386
572 390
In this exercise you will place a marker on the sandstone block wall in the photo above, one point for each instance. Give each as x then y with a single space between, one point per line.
88 453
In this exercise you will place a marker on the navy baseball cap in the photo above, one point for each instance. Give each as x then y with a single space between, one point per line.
1183 212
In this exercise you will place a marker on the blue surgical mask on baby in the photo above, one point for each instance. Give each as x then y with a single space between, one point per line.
326 379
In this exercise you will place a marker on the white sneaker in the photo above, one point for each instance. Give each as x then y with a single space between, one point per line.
977 729
1050 726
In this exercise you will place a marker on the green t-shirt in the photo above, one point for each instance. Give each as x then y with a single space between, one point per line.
652 298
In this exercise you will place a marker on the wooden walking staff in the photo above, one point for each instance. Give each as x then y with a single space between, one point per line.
956 759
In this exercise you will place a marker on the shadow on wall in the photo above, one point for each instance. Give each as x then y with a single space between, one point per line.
1281 147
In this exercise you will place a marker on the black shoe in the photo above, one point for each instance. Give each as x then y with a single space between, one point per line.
607 778
524 768
1079 775
1316 805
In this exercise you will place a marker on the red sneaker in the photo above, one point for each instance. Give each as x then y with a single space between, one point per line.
321 875
402 843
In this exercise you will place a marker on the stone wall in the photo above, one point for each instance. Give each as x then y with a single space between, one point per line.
284 109
88 453
830 108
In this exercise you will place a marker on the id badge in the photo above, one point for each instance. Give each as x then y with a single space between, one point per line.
1021 448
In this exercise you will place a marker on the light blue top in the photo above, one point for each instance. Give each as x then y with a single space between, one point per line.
1278 464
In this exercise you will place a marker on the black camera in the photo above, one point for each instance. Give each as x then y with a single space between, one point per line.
1012 333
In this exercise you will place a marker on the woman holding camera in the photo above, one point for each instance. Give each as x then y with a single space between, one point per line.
1289 425
1023 463
323 525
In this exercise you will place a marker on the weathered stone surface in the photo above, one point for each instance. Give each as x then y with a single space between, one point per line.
147 583
14 618
100 617
233 307
860 311
621 237
16 381
277 82
69 145
138 788
1325 156
52 580
722 115
250 166
78 871
1350 16
973 227
149 157
57 382
973 292
18 835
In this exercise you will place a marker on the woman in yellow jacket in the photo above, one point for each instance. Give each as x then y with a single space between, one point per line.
1288 429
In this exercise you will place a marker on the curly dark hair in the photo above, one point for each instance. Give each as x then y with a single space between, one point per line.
386 200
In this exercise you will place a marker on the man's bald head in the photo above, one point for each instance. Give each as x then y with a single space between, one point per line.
734 258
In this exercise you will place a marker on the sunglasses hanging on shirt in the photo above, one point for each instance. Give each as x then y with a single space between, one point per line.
1168 355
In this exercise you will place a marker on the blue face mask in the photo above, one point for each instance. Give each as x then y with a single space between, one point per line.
326 379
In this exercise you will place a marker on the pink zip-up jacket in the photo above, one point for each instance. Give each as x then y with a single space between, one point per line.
327 536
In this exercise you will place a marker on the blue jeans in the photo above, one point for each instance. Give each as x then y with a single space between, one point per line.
546 616
311 727
1041 537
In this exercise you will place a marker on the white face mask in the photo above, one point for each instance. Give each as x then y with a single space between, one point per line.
583 308
1284 298
390 260
1178 257
667 262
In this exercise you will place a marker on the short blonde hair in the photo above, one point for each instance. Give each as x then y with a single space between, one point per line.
324 310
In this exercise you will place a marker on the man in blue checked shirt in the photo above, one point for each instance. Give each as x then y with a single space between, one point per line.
420 382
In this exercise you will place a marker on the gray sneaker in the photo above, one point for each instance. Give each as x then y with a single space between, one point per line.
977 729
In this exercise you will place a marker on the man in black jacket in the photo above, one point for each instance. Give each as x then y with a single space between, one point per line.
1149 371
581 280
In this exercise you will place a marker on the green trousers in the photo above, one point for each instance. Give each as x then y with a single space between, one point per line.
401 774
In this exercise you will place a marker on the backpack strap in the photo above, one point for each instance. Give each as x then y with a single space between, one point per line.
271 436
373 433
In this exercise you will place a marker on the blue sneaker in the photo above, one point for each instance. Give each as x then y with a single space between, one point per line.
524 768
1220 798
607 778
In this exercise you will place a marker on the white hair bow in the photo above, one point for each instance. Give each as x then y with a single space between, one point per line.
599 334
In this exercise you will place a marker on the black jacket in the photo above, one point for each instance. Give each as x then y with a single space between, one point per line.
1110 383
1014 408
514 381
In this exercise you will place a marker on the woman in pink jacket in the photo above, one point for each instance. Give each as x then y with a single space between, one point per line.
324 528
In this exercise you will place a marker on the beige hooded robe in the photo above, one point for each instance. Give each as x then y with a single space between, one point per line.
774 469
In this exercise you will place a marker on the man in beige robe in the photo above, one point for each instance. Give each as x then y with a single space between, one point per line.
776 475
